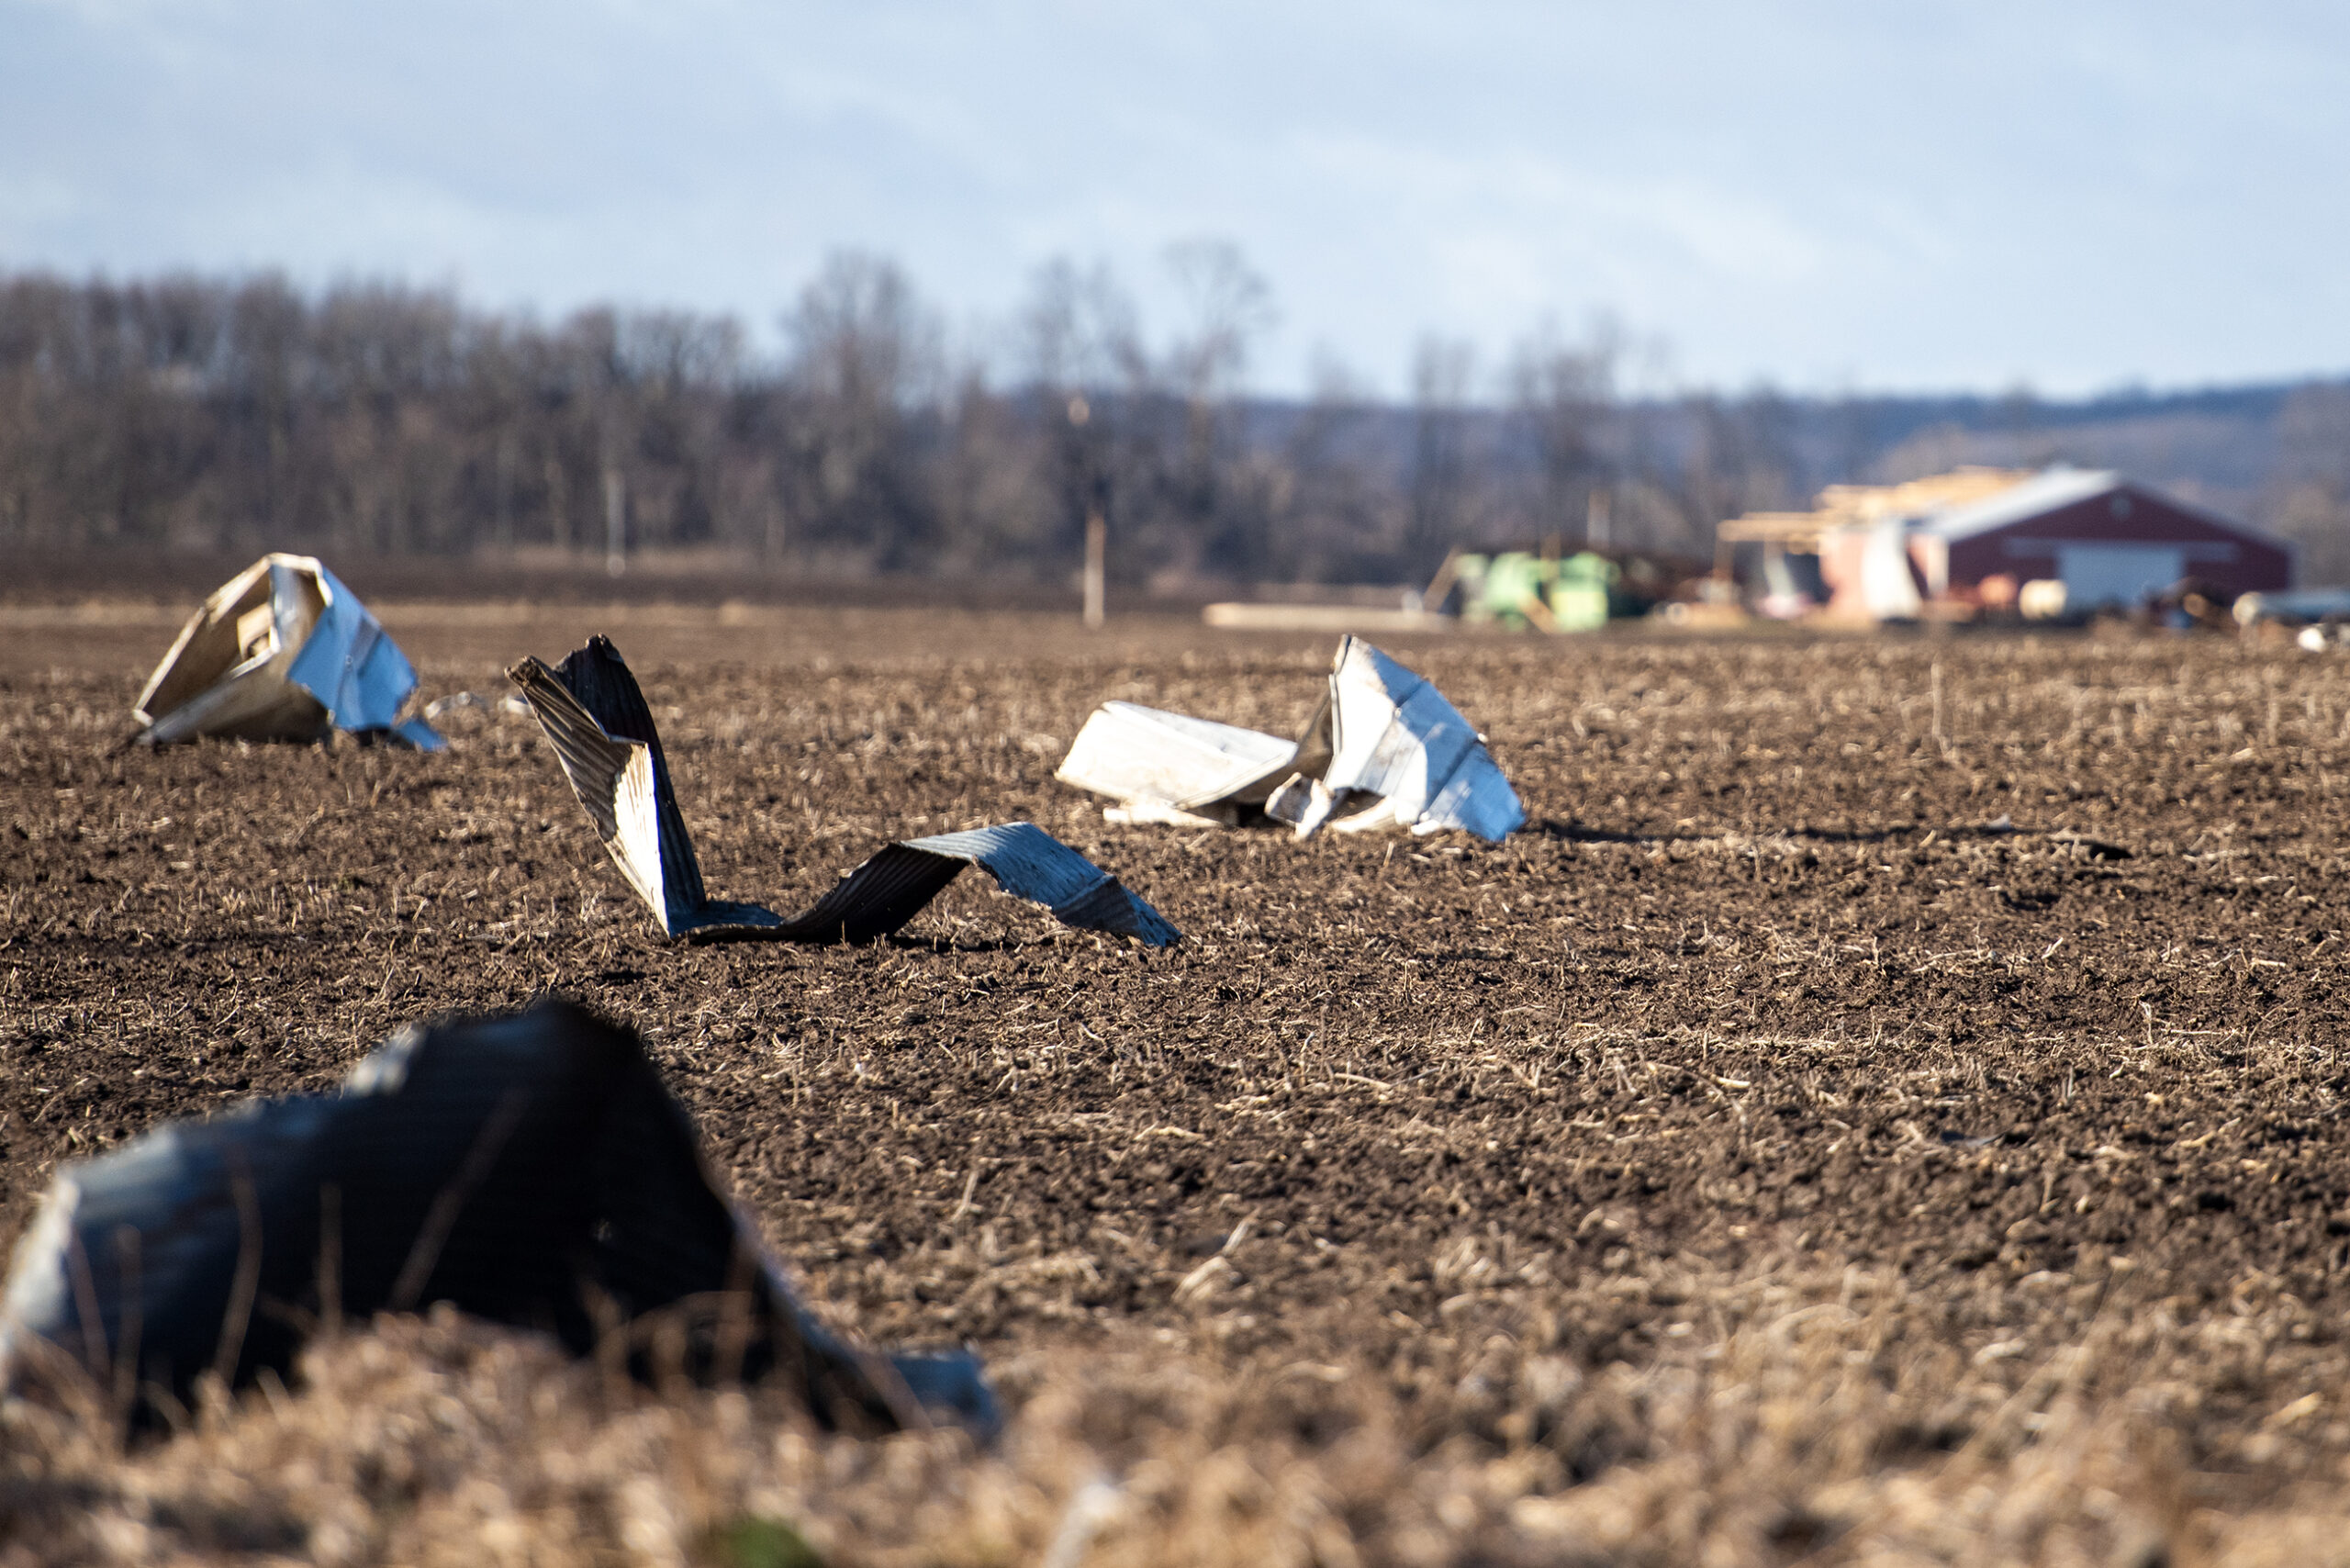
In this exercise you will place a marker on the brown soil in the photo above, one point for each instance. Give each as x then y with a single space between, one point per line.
1884 1107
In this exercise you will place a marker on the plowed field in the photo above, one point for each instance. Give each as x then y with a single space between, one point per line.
1886 1107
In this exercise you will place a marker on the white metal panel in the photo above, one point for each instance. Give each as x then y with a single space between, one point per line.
1888 589
624 787
1396 736
1148 756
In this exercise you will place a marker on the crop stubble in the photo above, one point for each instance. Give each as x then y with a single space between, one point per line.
1767 1153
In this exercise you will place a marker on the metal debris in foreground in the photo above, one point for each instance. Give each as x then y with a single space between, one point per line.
1383 749
281 651
603 733
527 1169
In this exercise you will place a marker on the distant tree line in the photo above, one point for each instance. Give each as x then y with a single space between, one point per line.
242 414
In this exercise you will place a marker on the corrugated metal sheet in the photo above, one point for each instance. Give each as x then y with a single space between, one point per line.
603 734
1029 863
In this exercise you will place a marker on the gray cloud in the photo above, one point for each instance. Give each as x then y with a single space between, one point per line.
1906 196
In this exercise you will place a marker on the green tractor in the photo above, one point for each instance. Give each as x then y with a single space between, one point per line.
1519 589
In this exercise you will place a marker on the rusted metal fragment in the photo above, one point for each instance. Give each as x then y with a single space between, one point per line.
530 1169
595 714
282 651
1382 749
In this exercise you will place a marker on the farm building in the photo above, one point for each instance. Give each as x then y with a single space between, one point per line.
2107 539
1971 538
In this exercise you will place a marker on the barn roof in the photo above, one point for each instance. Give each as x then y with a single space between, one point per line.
2059 487
2041 493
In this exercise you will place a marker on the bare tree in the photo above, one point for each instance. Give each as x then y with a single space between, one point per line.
1442 486
1226 307
183 411
2309 491
1336 500
1089 378
1564 392
865 358
1079 331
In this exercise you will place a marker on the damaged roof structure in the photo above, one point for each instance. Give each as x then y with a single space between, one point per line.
281 651
595 716
1382 749
529 1168
1977 539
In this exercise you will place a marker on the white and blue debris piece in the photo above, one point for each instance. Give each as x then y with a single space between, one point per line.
529 1168
595 714
1382 749
1400 757
282 651
1171 768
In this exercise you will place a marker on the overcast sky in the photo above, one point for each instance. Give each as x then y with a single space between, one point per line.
1904 195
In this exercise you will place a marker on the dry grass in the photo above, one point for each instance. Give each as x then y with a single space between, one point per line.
1805 1420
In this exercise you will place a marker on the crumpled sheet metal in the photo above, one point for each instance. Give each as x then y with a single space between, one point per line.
529 1168
282 651
1382 749
595 714
1394 737
1171 768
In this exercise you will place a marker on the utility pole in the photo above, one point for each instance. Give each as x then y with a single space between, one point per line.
615 522
559 525
1097 526
503 533
1097 540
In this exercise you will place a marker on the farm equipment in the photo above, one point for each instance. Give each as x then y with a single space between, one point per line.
1545 592
1519 589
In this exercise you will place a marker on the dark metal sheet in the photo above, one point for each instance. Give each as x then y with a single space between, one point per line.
530 1169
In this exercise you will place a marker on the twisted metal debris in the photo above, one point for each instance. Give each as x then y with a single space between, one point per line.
1383 749
595 716
281 651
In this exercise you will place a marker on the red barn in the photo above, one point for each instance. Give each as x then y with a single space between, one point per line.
2109 540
